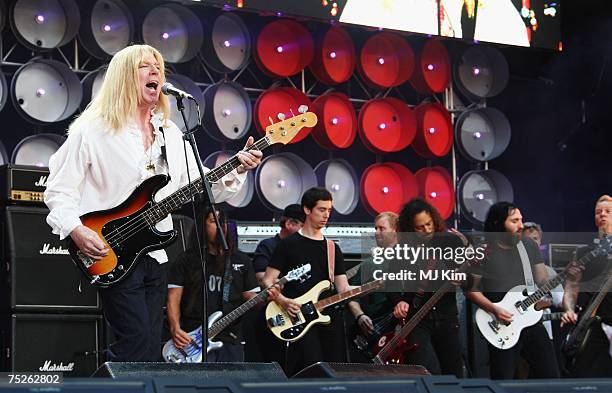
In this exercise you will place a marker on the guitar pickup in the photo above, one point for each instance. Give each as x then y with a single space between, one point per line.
494 325
277 320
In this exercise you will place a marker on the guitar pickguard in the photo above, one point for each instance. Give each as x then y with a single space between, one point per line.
309 313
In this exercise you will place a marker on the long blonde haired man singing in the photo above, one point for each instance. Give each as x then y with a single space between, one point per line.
111 148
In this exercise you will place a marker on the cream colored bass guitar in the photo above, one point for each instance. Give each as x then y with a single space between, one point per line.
288 328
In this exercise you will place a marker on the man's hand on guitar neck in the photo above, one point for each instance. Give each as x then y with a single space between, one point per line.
401 310
248 158
89 242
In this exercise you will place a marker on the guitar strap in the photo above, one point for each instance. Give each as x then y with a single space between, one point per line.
417 300
331 259
163 148
527 272
227 278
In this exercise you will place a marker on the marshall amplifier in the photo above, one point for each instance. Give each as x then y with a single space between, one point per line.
37 268
23 184
71 344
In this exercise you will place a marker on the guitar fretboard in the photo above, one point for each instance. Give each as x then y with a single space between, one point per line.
183 195
227 320
362 290
554 282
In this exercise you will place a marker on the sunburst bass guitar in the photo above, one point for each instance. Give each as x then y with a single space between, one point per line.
288 328
128 230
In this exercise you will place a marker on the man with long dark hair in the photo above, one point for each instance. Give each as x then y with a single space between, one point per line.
230 280
437 335
501 271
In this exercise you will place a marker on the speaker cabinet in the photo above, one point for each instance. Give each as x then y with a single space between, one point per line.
67 343
360 370
193 371
37 268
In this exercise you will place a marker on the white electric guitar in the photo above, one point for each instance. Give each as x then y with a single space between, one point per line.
192 353
521 304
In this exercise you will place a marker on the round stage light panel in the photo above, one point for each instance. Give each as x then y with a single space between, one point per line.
436 187
109 28
337 122
339 178
282 179
334 56
45 24
175 31
191 112
46 91
434 136
479 190
228 46
482 134
3 156
283 48
4 92
227 111
432 72
281 100
386 125
387 187
36 150
386 60
245 195
481 72
92 82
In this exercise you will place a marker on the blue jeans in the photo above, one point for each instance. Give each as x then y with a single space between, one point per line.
133 310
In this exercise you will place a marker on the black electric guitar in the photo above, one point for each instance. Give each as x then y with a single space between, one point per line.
576 339
128 230
393 346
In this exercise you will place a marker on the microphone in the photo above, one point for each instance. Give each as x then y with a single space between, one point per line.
169 90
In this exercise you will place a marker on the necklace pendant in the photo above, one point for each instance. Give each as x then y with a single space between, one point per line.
150 167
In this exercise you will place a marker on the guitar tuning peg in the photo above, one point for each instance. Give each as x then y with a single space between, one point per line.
281 116
303 109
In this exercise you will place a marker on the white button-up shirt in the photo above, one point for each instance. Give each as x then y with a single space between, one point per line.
96 169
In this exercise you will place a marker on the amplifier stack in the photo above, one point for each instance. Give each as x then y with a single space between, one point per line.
48 317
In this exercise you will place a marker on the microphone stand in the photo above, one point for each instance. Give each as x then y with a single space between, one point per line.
188 135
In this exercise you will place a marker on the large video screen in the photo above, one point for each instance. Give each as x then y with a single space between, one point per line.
529 23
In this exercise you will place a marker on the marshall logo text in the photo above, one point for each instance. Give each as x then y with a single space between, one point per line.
48 250
56 367
42 182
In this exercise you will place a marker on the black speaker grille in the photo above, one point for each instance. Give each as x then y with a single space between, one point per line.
33 341
39 270
193 371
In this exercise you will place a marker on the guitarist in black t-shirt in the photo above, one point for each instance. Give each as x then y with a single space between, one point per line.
595 359
501 271
308 245
232 273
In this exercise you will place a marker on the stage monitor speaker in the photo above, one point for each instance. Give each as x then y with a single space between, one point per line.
360 370
40 274
45 343
193 371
